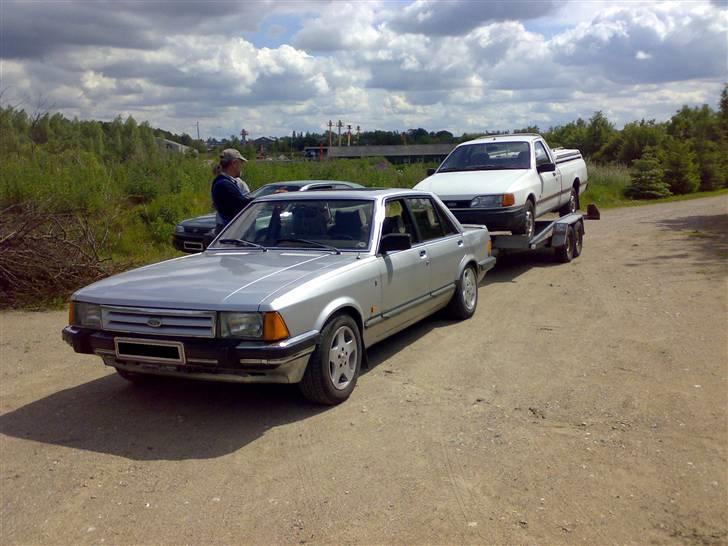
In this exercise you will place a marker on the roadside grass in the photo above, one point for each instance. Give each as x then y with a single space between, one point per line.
608 182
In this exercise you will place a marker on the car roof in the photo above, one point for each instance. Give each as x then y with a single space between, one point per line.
308 183
365 193
514 137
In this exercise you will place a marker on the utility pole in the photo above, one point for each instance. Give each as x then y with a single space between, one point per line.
243 134
198 130
339 125
348 135
357 135
331 132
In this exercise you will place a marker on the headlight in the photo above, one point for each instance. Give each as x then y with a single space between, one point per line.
492 201
264 326
486 201
179 228
243 325
87 315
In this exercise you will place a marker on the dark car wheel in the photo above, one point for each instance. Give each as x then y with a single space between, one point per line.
334 366
465 299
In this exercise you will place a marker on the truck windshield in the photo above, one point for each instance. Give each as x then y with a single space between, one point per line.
488 156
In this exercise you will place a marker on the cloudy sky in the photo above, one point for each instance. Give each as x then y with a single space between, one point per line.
277 66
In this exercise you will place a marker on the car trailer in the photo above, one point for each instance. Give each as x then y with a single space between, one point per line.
565 235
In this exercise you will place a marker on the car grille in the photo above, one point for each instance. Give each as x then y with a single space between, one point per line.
452 204
161 322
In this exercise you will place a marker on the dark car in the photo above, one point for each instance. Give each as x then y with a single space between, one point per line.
194 234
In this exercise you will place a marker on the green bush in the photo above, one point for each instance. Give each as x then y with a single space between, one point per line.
648 178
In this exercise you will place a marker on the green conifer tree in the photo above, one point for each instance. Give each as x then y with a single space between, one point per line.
647 177
681 169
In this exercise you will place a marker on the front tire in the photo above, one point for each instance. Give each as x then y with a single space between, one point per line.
465 299
528 227
334 366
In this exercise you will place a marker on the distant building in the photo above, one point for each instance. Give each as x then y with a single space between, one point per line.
174 147
263 144
413 153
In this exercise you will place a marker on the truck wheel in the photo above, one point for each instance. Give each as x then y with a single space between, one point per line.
565 253
570 207
578 239
529 221
334 366
465 299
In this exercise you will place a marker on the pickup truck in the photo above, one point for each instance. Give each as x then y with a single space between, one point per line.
507 181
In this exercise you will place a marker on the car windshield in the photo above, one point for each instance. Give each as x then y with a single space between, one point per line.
488 156
335 224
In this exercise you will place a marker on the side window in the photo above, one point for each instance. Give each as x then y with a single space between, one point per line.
541 155
397 220
447 225
426 218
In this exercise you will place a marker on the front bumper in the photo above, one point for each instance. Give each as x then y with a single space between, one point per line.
502 219
227 360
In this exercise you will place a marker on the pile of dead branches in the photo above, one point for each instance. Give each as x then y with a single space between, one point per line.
47 255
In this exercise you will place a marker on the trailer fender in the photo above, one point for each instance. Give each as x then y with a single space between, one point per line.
559 237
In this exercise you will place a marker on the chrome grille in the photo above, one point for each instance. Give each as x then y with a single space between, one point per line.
161 322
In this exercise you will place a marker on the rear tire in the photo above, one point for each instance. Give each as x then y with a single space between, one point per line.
572 205
565 253
333 368
465 299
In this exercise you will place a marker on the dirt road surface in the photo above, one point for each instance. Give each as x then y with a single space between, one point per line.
584 403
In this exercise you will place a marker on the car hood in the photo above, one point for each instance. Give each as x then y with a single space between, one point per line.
216 280
206 221
466 184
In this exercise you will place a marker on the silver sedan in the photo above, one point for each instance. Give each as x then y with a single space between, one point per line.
294 290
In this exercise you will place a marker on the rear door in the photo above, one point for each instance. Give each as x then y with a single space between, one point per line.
439 241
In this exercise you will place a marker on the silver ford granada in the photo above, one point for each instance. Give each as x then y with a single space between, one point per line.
294 290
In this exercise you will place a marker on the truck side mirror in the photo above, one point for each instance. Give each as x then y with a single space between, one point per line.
546 168
431 171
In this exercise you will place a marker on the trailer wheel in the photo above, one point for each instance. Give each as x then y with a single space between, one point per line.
565 253
578 239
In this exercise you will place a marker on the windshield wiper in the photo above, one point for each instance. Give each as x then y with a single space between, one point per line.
242 242
309 242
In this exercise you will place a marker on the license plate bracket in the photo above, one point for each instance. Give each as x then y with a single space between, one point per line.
149 350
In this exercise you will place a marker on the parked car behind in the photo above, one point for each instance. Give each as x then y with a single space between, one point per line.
194 234
294 290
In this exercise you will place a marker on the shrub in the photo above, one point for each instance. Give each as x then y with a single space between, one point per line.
648 178
681 170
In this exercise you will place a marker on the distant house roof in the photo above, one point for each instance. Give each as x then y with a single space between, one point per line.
264 141
418 150
173 146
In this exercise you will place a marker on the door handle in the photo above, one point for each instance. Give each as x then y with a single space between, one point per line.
553 174
423 253
460 243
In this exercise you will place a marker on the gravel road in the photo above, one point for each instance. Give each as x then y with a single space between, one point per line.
584 403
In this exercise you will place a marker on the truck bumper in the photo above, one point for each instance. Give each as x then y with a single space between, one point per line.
503 219
210 359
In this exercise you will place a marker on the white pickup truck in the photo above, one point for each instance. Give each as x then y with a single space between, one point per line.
507 181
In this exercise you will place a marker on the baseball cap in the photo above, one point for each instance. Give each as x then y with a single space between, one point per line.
230 154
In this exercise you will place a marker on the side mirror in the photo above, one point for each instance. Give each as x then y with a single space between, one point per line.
546 168
395 241
431 171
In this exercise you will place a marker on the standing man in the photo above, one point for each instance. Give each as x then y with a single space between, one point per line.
227 195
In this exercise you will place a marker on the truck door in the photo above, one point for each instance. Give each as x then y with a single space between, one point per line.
550 198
